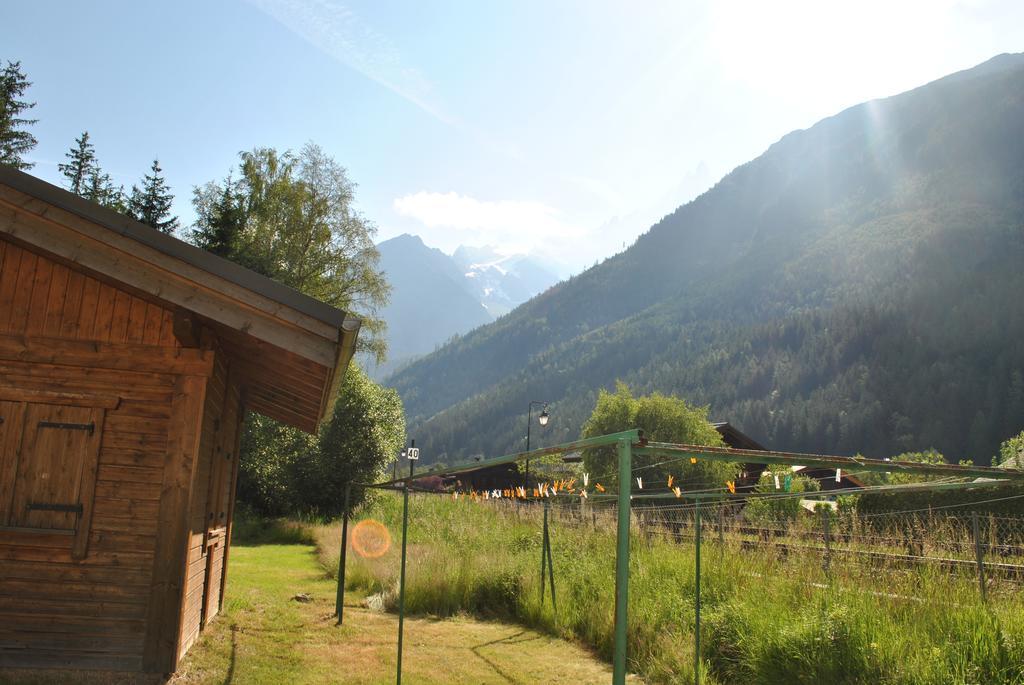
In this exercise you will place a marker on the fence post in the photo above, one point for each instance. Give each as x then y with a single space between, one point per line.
551 566
827 533
721 530
625 450
401 579
543 551
339 607
979 555
696 593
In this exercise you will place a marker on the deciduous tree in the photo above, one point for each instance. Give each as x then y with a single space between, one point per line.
663 418
287 472
291 217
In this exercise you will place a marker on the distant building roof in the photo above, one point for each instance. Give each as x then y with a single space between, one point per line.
735 438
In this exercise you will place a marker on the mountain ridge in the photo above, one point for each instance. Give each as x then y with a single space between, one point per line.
844 214
435 297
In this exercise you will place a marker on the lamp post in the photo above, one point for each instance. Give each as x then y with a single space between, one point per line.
542 419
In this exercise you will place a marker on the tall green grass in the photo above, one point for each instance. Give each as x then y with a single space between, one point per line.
765 619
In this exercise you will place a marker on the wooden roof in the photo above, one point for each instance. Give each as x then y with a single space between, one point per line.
289 350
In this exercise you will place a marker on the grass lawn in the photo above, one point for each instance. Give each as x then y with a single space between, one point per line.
265 637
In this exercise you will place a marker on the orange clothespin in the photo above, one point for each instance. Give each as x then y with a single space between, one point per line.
670 479
732 487
693 460
599 487
678 491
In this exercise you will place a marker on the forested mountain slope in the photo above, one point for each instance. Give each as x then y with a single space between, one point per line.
859 287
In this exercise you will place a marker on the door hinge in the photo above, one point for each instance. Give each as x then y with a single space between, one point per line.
91 427
68 508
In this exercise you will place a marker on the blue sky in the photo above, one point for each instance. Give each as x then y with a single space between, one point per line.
561 128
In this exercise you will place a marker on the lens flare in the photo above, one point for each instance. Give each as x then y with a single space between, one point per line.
370 539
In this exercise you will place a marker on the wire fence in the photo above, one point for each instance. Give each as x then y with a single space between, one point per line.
815 548
958 541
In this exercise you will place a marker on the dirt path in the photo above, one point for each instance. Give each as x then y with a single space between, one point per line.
266 637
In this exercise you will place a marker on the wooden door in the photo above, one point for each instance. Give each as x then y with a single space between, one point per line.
55 465
217 503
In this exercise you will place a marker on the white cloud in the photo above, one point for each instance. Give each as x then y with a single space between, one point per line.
512 225
336 30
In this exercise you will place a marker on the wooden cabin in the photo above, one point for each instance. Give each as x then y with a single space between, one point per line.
127 361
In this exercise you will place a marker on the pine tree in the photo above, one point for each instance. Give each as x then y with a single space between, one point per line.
81 167
151 204
100 189
14 142
221 219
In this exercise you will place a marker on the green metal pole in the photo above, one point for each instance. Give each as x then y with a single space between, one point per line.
696 595
401 576
339 607
622 563
551 564
543 551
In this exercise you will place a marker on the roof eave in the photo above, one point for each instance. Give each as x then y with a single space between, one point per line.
347 335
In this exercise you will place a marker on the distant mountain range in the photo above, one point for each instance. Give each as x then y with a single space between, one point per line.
436 296
859 287
501 283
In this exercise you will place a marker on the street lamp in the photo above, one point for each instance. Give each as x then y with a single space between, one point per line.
542 419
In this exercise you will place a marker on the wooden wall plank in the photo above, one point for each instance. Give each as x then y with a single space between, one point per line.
69 315
22 294
39 293
153 324
119 317
136 321
87 313
56 300
104 312
8 282
120 356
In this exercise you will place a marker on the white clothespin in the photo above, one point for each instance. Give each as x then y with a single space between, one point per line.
586 479
776 481
640 482
839 474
